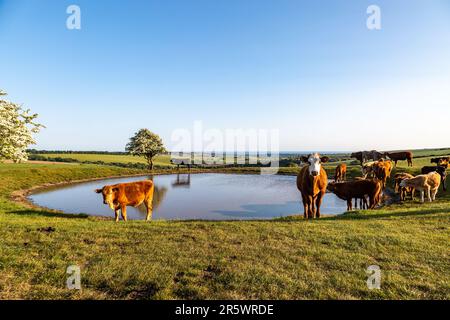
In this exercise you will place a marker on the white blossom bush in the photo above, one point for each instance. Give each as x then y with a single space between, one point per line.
17 127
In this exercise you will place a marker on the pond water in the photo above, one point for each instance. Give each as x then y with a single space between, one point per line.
208 196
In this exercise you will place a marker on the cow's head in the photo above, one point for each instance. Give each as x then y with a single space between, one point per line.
315 163
332 186
108 193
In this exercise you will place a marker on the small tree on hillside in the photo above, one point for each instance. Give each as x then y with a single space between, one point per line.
16 130
145 144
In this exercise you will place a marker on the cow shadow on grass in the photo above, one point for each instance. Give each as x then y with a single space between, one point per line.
393 214
47 213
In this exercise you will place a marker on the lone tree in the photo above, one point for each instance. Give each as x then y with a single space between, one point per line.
145 144
16 130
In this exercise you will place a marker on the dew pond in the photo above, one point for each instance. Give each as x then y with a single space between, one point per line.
206 196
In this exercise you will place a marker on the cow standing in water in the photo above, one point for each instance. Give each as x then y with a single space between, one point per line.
121 195
312 182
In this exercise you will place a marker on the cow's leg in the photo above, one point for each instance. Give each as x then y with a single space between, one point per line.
149 206
305 207
116 212
123 210
319 203
422 196
312 207
429 194
349 204
433 195
372 201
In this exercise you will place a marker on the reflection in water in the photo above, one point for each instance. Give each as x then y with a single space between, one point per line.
181 181
158 197
200 196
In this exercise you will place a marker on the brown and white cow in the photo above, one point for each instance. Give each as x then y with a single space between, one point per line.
312 182
428 183
340 173
367 170
121 195
441 161
400 156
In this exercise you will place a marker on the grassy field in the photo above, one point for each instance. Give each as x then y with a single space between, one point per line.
161 160
281 259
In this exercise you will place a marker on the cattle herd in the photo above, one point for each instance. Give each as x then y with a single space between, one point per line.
312 181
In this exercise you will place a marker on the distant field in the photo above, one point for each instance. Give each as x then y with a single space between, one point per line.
162 160
422 157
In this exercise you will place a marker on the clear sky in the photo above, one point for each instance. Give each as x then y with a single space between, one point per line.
311 69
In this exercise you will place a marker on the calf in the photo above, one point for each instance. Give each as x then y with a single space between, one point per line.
403 191
439 169
428 183
341 173
121 195
357 189
398 156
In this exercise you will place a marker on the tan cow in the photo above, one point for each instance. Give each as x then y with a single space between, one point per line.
312 182
341 173
428 183
121 195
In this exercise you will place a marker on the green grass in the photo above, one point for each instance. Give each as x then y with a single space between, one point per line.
281 259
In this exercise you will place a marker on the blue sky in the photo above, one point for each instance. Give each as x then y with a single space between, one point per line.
311 69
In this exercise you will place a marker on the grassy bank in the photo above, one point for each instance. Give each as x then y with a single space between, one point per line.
289 258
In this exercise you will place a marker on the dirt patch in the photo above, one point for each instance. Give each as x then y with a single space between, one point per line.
46 230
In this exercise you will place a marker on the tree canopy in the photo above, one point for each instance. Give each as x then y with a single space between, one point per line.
17 127
145 144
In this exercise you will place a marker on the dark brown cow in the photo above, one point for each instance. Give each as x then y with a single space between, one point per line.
357 189
121 195
312 183
341 173
382 170
400 156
